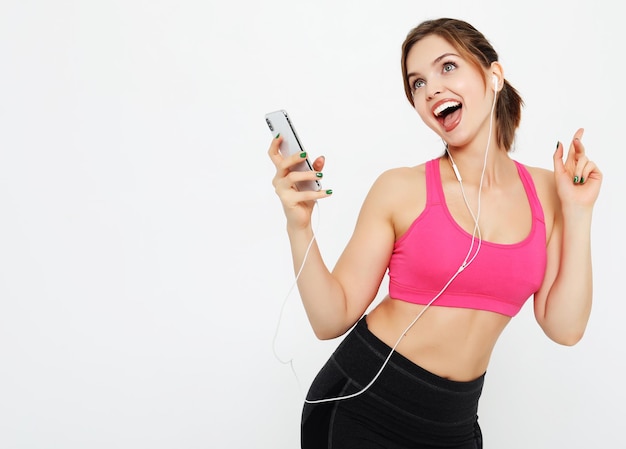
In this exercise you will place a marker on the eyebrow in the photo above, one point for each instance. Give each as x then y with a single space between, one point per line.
437 60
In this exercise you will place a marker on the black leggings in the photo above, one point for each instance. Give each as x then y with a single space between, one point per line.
407 406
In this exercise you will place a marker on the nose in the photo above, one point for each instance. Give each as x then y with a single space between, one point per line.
432 94
433 88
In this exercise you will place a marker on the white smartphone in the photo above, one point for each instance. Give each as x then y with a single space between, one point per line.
279 122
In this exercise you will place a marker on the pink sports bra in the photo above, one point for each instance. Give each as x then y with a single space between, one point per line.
500 279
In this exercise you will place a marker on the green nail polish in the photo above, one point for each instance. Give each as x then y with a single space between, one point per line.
303 154
329 192
575 179
277 136
319 174
582 179
558 143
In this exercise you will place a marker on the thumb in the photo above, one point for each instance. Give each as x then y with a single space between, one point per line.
559 167
318 163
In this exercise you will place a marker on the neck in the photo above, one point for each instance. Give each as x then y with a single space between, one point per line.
470 165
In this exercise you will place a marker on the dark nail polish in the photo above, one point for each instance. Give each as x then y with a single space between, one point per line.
277 136
582 179
575 179
329 192
319 174
303 154
558 143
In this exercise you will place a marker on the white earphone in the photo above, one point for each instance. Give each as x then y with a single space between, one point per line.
472 252
495 80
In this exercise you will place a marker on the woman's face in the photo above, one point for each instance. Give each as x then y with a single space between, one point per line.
449 92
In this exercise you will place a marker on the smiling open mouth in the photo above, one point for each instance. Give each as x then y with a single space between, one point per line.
448 114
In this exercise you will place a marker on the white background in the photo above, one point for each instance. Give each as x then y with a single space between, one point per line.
143 258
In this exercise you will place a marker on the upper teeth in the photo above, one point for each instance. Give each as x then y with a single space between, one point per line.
443 106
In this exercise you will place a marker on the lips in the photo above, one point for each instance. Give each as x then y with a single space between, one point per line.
448 113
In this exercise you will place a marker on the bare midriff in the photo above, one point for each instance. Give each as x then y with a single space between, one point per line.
454 343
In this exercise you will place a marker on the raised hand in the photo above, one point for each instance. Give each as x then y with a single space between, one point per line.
578 179
297 205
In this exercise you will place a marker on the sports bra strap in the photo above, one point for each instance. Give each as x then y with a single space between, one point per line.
531 192
433 183
434 191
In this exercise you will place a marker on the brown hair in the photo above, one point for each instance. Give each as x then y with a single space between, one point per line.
473 46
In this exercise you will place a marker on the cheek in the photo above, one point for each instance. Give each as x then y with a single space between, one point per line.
472 89
425 114
428 119
420 108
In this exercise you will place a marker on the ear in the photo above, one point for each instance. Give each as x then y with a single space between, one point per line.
496 71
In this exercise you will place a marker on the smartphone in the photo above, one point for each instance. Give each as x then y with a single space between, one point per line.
279 122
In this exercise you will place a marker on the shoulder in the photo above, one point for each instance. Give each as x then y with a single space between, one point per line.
394 186
543 180
399 194
400 178
540 175
545 186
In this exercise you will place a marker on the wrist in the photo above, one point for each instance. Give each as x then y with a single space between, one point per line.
295 230
576 213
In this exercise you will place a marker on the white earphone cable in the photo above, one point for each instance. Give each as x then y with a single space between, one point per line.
469 258
284 303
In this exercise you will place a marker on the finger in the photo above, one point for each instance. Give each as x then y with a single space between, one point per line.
288 163
274 150
590 171
573 151
579 148
284 163
579 169
559 167
296 176
294 197
579 133
290 195
318 163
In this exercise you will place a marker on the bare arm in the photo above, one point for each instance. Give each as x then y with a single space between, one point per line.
563 303
334 301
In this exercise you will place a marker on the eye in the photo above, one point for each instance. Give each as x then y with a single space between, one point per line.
449 66
418 83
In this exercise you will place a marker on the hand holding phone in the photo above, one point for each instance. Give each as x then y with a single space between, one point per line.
280 123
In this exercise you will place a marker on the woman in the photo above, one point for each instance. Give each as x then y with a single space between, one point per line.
474 233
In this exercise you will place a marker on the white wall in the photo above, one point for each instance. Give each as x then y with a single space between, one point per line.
143 258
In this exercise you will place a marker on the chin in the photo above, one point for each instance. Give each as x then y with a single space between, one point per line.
452 140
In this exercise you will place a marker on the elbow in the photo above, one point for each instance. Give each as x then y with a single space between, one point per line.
324 334
565 332
329 332
570 338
